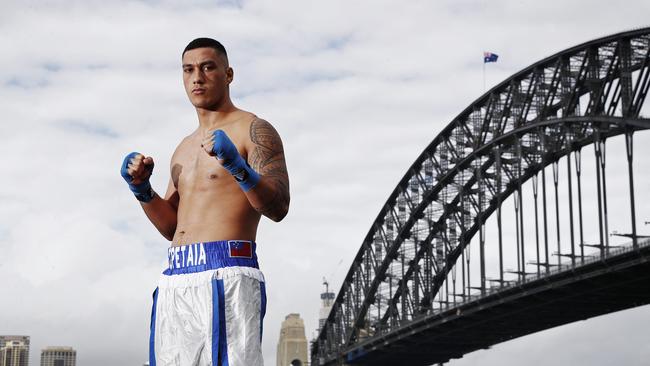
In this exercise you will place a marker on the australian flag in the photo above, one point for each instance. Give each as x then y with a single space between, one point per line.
489 57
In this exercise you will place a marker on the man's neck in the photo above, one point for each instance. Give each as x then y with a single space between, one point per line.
213 118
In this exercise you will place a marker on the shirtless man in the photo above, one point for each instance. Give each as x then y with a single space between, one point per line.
210 303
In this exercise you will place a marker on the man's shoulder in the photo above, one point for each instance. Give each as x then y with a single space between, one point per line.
184 144
261 128
251 125
248 121
187 140
244 120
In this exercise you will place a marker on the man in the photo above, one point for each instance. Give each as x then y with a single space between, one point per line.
210 303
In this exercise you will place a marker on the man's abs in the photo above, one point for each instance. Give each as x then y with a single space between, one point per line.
214 212
198 223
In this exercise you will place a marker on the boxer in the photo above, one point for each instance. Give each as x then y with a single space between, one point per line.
209 306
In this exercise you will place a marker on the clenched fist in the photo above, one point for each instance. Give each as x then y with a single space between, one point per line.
217 143
136 170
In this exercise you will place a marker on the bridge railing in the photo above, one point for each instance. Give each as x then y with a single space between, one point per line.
567 265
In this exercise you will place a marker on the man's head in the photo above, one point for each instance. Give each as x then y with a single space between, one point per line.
207 43
206 73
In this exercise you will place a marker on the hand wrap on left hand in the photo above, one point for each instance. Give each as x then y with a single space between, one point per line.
234 163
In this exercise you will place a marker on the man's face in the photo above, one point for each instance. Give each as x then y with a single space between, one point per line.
206 77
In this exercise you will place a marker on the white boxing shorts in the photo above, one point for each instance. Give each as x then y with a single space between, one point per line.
209 307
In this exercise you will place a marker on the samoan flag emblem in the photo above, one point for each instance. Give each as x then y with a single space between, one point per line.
489 57
241 249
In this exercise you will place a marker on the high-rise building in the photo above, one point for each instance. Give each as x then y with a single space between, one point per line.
58 356
327 299
7 338
292 346
14 350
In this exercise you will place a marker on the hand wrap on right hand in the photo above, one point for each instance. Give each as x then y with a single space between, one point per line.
142 191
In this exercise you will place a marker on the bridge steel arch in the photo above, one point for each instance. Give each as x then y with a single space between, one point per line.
550 110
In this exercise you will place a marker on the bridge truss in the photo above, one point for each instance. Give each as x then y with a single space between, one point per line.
414 264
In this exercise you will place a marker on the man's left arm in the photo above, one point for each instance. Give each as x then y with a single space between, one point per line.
270 196
263 178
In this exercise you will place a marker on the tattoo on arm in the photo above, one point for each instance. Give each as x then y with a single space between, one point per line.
267 158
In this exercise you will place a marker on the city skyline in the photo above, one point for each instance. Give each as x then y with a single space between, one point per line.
19 345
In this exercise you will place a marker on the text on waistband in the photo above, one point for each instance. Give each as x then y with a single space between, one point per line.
186 255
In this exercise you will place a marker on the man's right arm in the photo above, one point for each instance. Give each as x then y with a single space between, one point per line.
162 212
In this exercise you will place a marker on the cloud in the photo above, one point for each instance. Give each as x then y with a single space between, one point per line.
356 89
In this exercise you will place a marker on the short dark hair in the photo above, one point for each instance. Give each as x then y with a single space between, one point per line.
206 42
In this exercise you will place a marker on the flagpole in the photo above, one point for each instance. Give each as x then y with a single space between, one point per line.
488 57
483 75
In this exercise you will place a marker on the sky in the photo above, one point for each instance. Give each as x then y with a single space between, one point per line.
356 90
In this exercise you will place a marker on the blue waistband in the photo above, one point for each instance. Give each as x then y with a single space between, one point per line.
201 257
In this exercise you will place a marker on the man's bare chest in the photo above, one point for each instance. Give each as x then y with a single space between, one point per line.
193 169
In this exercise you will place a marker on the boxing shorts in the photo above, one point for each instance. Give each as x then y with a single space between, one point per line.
209 307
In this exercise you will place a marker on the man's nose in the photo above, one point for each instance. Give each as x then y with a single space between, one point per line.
198 77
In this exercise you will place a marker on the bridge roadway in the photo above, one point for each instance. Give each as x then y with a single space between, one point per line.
618 281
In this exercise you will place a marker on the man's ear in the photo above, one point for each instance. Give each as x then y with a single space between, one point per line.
229 74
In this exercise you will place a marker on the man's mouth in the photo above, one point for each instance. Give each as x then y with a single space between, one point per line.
198 91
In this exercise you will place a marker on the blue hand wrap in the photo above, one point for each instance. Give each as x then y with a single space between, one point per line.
142 191
234 163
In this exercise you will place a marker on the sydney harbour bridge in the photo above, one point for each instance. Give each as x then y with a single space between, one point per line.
501 227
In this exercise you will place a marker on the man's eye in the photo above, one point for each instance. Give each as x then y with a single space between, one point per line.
208 68
187 70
